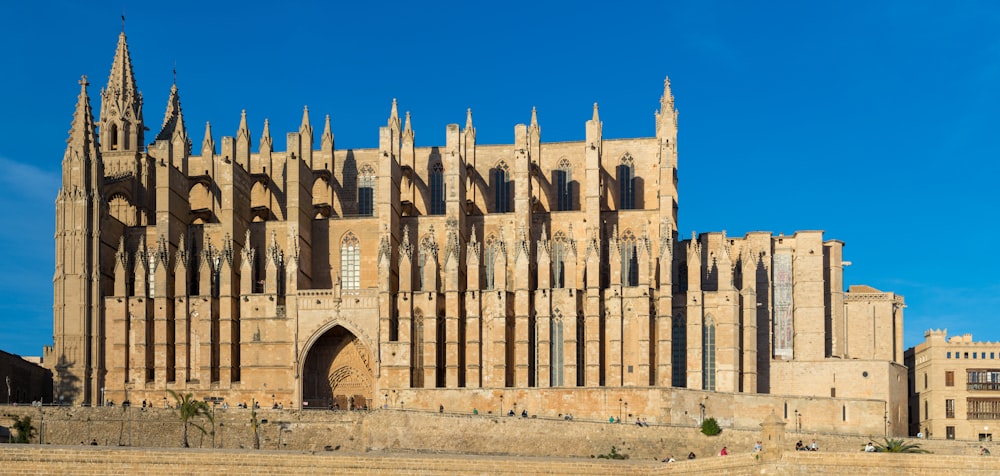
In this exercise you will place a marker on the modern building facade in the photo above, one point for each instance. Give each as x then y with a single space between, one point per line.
322 276
954 387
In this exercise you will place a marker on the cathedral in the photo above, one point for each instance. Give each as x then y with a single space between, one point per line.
419 276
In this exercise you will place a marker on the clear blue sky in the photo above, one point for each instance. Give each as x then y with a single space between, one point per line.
874 121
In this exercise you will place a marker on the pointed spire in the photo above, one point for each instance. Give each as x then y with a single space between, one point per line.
265 137
394 115
82 138
407 129
534 117
121 82
327 134
305 127
667 100
208 144
597 117
121 104
244 131
173 119
468 119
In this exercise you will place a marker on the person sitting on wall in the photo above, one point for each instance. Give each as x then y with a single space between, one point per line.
691 455
724 452
983 451
757 447
869 448
799 446
510 412
524 413
813 446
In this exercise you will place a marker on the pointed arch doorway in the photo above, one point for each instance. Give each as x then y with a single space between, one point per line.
338 372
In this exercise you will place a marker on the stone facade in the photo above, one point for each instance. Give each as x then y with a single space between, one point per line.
326 277
954 387
23 380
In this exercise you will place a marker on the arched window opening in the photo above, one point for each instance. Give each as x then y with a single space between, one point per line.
708 354
500 178
350 263
113 137
564 185
366 191
626 183
630 260
437 189
678 357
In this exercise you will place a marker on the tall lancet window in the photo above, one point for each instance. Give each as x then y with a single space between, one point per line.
437 189
490 256
630 260
564 185
557 348
559 250
350 263
366 191
708 354
626 183
500 181
678 352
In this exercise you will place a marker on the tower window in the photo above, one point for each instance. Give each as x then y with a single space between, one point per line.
366 191
500 178
564 185
350 263
708 356
437 189
626 183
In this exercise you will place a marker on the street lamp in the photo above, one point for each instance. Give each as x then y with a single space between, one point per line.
102 396
701 406
797 428
501 404
620 410
386 406
627 414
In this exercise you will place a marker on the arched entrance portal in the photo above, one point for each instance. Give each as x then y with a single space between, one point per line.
338 372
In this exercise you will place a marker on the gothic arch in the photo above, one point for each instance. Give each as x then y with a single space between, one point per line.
120 207
338 367
322 198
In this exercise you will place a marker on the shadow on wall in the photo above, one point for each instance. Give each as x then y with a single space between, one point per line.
67 385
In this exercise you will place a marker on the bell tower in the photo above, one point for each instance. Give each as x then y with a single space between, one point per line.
76 356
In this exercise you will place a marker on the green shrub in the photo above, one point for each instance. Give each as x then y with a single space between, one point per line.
614 454
710 427
24 429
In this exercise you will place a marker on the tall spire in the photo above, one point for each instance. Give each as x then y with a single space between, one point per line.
82 141
597 117
208 144
327 131
305 127
394 115
173 120
468 118
265 137
534 117
121 104
666 117
244 131
407 129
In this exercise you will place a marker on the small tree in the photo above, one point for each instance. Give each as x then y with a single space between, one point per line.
188 408
25 431
898 445
710 427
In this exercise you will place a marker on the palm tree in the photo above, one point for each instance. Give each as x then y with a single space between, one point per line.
188 408
898 445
